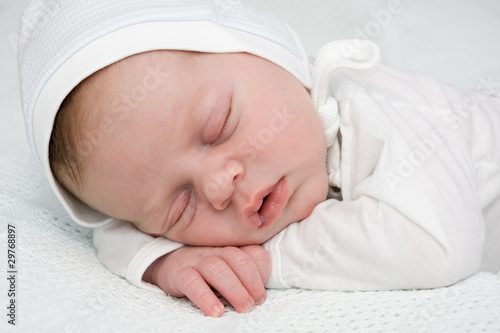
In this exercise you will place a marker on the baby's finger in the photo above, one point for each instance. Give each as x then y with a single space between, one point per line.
191 284
219 275
261 259
247 271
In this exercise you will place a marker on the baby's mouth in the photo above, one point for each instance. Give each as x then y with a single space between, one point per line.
262 205
270 206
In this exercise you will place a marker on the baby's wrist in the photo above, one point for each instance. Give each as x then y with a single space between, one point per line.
150 274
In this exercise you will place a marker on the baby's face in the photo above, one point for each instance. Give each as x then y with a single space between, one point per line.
204 149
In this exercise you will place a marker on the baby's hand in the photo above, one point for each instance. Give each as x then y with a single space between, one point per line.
238 274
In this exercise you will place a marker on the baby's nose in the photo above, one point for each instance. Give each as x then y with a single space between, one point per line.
219 185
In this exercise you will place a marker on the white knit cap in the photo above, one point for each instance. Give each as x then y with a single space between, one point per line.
62 42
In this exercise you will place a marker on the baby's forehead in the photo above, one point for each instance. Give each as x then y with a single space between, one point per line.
138 68
136 80
110 93
122 78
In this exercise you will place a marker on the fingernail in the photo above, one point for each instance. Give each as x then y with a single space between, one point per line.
217 310
260 300
247 305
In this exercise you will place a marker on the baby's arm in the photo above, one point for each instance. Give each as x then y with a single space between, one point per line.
369 245
238 274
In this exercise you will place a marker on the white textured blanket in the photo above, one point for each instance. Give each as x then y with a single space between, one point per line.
57 284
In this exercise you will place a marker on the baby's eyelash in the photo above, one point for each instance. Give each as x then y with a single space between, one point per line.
185 198
224 127
226 122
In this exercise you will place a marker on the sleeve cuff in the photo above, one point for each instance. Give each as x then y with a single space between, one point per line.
272 246
145 257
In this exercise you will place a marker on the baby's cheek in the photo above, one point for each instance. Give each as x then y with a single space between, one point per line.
317 192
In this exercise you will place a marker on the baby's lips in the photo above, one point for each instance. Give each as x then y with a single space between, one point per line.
254 219
274 203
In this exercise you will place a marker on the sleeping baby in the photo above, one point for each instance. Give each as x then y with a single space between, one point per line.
210 153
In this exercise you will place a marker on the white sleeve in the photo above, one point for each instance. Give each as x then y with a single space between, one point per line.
128 252
368 245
